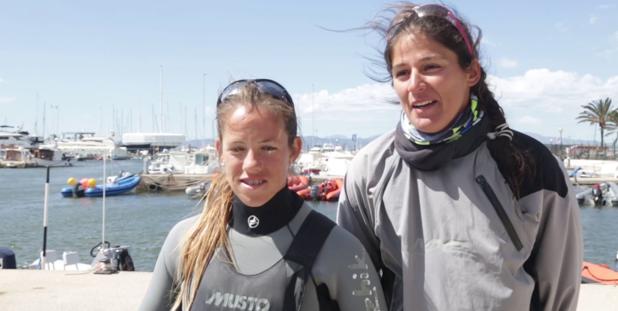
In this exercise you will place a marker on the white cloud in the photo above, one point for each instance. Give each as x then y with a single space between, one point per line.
7 99
507 63
552 97
363 98
593 19
1 80
539 101
366 110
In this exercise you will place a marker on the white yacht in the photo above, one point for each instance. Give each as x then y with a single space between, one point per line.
178 169
49 155
328 161
84 145
11 136
183 161
16 157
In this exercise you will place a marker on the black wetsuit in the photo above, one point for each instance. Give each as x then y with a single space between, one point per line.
258 274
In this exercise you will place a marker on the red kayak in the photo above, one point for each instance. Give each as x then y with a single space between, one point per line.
598 273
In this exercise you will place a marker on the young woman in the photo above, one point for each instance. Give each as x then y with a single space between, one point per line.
458 211
256 245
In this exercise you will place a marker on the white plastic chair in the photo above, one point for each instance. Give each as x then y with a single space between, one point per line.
70 258
50 258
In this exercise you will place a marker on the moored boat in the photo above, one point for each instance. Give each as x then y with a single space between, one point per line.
598 273
122 184
298 182
328 190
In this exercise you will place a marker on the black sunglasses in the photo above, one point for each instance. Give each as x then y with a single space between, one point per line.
266 86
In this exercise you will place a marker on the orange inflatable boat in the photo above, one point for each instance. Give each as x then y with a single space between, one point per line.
598 273
298 182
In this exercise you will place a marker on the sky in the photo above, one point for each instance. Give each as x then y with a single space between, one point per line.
119 66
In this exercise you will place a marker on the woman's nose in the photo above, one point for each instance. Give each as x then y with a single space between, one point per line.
416 83
251 161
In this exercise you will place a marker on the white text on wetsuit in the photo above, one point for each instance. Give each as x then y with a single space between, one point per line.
238 302
366 289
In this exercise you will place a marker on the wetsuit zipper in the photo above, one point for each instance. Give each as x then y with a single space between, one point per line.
504 218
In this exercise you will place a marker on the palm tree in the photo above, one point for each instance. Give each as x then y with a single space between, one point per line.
597 112
612 119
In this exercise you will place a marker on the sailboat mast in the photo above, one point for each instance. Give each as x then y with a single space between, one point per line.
161 103
103 207
204 101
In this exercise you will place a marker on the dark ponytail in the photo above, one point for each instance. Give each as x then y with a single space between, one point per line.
516 163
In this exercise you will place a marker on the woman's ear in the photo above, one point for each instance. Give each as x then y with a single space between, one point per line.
297 146
473 73
218 147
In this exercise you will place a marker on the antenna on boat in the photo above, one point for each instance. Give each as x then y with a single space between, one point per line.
103 208
204 108
44 257
161 104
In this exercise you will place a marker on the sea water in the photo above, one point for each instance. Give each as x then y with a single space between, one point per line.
141 221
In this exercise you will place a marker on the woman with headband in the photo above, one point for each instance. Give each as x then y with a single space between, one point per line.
457 210
256 246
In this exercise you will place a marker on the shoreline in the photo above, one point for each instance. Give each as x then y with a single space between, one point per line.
59 290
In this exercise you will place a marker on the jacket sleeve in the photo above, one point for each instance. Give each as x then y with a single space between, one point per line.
556 259
160 295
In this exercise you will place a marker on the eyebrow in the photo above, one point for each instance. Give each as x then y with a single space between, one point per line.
268 140
424 59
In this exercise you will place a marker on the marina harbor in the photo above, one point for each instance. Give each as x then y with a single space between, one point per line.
158 179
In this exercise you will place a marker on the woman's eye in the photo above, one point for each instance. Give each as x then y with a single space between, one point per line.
237 149
401 73
431 67
269 148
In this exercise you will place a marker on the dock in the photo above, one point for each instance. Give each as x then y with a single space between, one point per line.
592 180
35 290
170 182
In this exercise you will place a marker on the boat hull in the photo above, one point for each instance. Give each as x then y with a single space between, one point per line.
120 186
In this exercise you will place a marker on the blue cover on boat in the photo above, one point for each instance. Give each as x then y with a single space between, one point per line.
120 186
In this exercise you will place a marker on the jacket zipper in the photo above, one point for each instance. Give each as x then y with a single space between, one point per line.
504 218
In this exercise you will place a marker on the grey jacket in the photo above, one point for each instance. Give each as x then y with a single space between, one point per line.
342 265
441 242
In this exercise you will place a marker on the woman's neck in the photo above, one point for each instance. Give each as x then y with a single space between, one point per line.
271 216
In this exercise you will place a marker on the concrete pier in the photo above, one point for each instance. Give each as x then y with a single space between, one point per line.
25 290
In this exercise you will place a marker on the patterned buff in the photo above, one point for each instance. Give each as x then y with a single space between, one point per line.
465 121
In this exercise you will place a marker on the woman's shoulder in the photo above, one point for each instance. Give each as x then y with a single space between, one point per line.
532 146
338 239
548 173
383 144
180 229
340 252
373 157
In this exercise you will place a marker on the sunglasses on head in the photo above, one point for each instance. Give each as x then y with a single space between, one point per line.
443 12
265 86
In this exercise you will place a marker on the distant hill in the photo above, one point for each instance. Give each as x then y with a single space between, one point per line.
549 140
348 143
